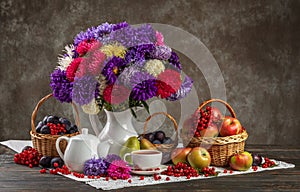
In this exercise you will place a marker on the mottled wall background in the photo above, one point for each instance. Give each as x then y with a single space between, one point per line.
255 43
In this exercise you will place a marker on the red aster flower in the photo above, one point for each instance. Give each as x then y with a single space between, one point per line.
72 68
168 82
86 46
115 94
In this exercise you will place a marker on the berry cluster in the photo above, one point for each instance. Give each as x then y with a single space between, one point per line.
63 170
57 129
203 118
254 167
268 163
29 156
181 169
209 171
55 126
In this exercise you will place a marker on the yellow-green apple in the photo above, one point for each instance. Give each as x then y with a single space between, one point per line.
230 126
241 162
180 155
199 157
211 131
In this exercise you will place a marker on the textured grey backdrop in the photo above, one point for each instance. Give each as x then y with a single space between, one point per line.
256 44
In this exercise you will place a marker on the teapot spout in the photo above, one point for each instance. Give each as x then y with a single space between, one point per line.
103 148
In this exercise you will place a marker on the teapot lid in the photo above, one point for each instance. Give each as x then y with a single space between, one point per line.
86 136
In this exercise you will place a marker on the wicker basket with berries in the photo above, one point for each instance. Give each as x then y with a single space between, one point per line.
46 132
221 136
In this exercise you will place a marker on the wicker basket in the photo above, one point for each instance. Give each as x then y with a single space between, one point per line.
45 143
219 148
166 148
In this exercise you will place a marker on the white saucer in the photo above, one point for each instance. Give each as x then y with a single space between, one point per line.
150 172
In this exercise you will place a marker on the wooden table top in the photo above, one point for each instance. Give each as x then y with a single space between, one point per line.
15 177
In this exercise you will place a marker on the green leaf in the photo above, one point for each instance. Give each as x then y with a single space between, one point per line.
133 113
146 106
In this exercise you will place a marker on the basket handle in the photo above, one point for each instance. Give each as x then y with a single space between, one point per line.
161 113
220 101
34 113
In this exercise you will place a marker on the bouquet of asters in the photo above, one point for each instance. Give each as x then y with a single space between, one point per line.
116 67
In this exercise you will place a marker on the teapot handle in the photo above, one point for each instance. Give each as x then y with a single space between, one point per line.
58 147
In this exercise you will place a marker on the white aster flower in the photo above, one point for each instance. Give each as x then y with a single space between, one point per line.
65 59
154 67
91 108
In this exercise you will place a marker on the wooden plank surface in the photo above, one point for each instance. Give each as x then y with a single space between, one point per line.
21 178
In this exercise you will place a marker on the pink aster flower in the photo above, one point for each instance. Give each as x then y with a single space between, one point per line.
159 39
96 62
119 169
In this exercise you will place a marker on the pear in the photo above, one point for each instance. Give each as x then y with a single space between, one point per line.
132 144
146 144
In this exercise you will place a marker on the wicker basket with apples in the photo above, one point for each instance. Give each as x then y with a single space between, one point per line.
221 136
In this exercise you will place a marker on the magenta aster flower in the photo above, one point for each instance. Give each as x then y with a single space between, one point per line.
119 169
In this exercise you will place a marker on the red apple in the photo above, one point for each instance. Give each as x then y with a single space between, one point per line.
230 126
199 157
215 114
180 155
241 162
211 131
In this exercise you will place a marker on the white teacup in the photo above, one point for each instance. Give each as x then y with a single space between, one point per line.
145 159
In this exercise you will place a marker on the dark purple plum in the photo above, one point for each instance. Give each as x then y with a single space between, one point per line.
65 121
39 126
57 160
45 161
160 135
167 140
45 130
257 159
149 136
45 119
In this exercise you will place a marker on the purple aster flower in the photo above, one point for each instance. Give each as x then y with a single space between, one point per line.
102 30
87 35
95 167
113 68
139 54
126 75
184 89
161 52
139 77
85 89
61 86
120 25
174 60
130 36
144 90
110 158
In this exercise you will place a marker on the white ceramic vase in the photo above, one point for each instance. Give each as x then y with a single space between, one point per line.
117 130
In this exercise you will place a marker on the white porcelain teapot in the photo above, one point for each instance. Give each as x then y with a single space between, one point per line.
80 148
